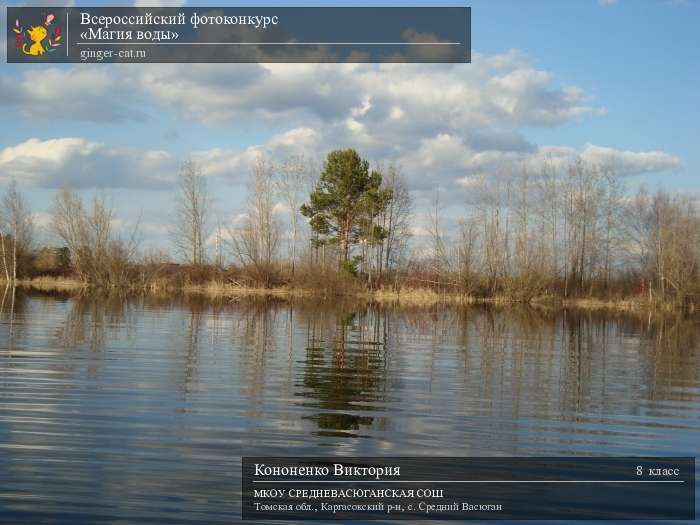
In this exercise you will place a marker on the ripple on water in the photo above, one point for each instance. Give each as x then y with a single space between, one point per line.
115 410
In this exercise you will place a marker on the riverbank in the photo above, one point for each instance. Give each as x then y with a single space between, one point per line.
406 296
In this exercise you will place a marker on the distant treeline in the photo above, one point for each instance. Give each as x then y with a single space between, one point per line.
570 231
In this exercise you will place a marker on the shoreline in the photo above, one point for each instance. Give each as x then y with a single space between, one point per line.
425 297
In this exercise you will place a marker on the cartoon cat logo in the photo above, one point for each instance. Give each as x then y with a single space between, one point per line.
31 41
36 35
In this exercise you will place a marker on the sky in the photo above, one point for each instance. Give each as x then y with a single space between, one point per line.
615 82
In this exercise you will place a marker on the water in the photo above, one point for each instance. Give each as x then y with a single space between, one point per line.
138 411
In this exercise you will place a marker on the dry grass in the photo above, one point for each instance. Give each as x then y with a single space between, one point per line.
160 286
405 296
219 289
605 304
629 304
429 297
417 297
49 284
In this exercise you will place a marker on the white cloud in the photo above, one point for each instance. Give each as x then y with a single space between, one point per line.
444 123
500 89
81 93
385 110
237 164
80 163
449 161
388 111
630 162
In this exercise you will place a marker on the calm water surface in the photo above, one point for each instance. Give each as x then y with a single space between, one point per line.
138 411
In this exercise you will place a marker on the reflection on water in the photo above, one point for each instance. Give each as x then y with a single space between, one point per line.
137 410
343 376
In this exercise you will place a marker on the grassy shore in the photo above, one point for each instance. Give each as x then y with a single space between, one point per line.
217 290
407 296
417 296
50 284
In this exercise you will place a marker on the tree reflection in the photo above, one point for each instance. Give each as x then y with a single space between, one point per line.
11 307
344 372
91 319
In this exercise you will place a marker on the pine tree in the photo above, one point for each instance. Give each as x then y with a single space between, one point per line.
347 197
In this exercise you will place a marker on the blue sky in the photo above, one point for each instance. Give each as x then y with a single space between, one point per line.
612 81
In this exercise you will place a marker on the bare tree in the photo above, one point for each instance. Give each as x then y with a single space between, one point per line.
292 179
219 244
611 236
636 243
255 241
493 220
548 210
674 238
467 251
435 231
98 254
192 215
16 232
395 219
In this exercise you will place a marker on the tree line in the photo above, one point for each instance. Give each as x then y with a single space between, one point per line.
573 231
565 231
